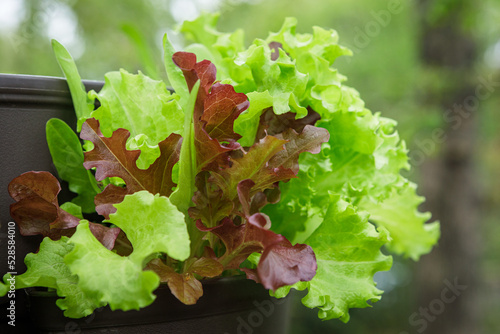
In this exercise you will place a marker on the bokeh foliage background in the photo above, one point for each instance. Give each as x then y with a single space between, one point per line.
418 65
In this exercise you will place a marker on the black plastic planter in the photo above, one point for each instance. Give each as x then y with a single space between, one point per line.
26 104
229 305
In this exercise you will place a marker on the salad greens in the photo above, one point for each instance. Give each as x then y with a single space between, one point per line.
262 162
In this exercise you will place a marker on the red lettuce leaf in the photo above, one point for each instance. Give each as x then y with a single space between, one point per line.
281 263
254 165
309 140
272 124
186 287
111 158
105 200
222 106
210 205
217 106
210 153
37 210
107 236
256 218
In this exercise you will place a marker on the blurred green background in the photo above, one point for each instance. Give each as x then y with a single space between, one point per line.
434 66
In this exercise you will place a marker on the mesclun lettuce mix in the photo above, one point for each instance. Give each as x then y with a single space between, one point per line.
261 162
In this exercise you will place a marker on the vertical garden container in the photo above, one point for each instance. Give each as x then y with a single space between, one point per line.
26 104
231 305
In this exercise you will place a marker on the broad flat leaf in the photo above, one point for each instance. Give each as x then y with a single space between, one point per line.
347 249
104 276
206 267
72 209
4 288
104 234
83 104
67 155
138 104
46 268
410 235
111 158
152 224
281 263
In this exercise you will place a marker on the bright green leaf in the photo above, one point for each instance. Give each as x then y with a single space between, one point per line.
152 224
47 269
347 249
82 102
106 277
181 197
67 155
139 104
174 73
399 214
248 122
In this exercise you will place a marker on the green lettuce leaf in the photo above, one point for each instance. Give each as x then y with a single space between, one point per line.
174 73
4 288
104 276
83 102
181 197
218 47
142 106
46 268
153 225
410 235
67 155
111 158
248 122
347 249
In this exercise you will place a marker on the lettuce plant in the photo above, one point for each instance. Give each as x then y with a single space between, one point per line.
260 162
